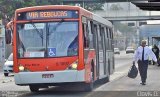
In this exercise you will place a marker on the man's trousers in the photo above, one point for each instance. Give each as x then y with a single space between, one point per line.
143 66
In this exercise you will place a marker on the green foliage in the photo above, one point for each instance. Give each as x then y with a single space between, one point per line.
93 6
116 7
89 6
8 7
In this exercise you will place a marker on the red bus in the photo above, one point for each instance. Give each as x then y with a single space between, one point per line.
58 44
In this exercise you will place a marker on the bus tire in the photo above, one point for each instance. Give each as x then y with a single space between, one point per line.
105 80
5 74
89 86
34 88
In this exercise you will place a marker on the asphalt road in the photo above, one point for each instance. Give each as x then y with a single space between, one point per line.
123 59
122 64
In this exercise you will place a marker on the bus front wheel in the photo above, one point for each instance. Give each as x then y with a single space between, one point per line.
89 86
5 74
34 88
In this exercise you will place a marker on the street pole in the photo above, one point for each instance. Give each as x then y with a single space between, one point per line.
83 4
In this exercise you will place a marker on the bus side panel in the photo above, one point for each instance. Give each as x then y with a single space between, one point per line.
15 62
111 62
89 65
81 53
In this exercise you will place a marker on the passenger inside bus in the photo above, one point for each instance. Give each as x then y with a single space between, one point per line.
72 49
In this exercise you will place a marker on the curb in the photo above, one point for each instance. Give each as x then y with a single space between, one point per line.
116 78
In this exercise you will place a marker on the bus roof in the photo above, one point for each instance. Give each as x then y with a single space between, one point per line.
47 7
68 7
98 18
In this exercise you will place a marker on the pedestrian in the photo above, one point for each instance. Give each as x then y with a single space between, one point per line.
155 50
141 56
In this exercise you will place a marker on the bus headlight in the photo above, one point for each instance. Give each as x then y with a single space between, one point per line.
21 68
73 66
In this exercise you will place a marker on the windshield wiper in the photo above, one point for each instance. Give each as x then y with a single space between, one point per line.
55 27
39 33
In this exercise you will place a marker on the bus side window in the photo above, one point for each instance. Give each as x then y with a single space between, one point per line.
110 38
95 36
107 38
90 31
85 36
100 38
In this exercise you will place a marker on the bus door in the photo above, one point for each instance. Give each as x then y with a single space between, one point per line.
112 51
95 41
111 54
107 51
104 48
100 51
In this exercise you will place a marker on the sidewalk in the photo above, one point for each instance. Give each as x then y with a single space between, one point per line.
119 72
120 82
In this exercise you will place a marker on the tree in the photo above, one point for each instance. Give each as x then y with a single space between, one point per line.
89 6
94 6
8 7
116 7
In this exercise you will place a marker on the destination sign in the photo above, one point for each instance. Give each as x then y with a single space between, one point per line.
47 14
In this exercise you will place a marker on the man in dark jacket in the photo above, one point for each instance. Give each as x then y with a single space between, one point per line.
155 49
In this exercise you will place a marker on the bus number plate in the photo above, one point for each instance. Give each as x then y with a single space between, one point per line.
47 75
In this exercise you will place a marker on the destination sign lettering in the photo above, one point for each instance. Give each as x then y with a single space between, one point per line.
48 14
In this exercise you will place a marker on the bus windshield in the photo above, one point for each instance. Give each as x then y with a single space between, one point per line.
48 39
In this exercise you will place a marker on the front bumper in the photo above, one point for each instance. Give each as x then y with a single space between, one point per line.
26 78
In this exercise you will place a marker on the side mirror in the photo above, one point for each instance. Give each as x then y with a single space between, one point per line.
8 32
8 36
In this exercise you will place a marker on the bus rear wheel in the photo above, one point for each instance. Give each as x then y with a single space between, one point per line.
34 88
105 80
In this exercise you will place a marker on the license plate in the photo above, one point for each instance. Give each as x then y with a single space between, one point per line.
47 75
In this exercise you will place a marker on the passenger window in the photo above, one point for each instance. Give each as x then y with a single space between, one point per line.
90 35
85 36
95 30
108 39
100 38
